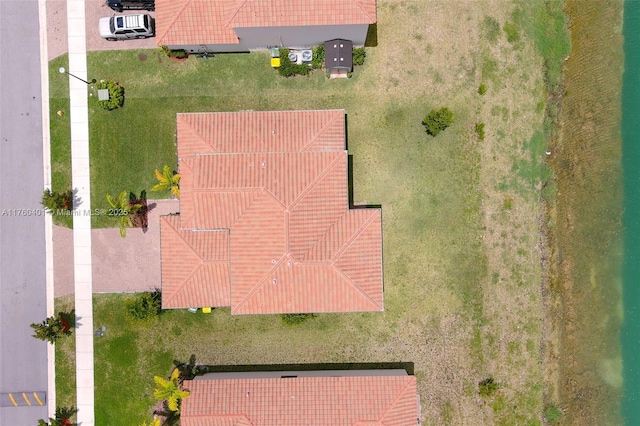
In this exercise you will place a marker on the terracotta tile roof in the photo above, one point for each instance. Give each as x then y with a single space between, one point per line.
183 22
294 244
195 265
318 401
260 131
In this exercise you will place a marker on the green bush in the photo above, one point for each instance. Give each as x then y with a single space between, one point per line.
358 55
438 120
116 94
294 319
288 68
482 89
552 413
180 53
480 131
487 387
144 306
317 60
55 202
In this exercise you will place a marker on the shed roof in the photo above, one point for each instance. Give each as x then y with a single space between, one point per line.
184 22
319 401
338 53
282 201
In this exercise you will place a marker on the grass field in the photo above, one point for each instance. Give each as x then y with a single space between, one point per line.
461 216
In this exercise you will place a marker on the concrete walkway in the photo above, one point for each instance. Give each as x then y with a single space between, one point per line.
79 118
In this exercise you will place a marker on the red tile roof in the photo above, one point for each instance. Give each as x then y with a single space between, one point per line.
184 22
318 401
293 243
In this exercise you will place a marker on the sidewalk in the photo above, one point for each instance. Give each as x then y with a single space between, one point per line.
80 180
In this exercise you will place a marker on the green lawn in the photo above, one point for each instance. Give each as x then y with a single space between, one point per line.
457 272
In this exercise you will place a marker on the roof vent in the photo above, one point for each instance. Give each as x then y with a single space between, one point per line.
307 55
274 282
264 164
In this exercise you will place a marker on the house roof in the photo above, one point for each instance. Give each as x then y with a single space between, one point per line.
319 401
184 22
293 243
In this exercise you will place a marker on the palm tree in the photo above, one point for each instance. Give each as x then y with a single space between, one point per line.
124 210
167 181
170 390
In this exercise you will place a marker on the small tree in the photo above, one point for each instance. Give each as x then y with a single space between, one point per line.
53 201
438 120
125 209
170 390
53 328
167 181
487 387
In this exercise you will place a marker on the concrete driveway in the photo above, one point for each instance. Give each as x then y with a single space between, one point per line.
120 265
94 10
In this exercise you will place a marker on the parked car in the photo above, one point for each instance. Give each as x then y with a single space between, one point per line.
123 27
120 5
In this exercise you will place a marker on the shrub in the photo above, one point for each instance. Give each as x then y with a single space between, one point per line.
438 120
288 68
552 413
358 55
55 202
318 57
144 306
116 94
487 387
480 131
294 319
180 53
482 89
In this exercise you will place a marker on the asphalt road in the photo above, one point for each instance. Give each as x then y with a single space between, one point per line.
23 359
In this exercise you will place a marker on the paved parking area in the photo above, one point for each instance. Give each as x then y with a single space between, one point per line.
94 10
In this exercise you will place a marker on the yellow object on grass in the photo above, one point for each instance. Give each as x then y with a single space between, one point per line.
275 62
206 310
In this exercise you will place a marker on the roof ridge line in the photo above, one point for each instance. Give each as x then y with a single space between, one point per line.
261 283
317 179
355 235
184 283
395 400
198 134
322 237
186 4
321 131
357 2
355 286
242 3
